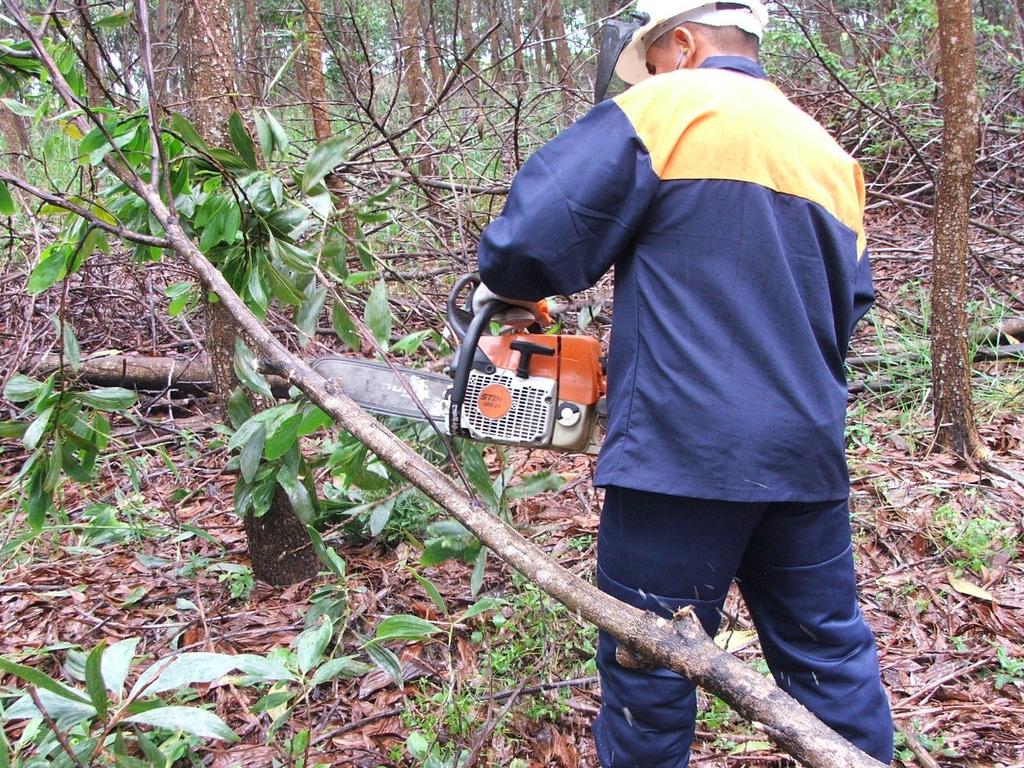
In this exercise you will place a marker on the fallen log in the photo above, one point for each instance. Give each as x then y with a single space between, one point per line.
148 374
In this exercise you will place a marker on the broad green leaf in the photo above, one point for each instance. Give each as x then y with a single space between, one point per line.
56 465
482 605
322 203
58 707
241 140
282 438
116 20
344 327
334 254
22 110
411 342
227 158
239 408
39 499
52 266
37 429
311 644
72 352
5 745
263 668
157 759
308 313
93 140
534 484
231 222
136 594
380 515
108 398
246 431
476 580
417 745
299 743
272 701
298 259
188 133
346 666
245 369
252 453
298 493
432 593
327 555
281 287
312 420
322 161
41 680
281 142
265 136
472 460
404 627
372 217
183 670
387 661
21 389
94 685
198 722
12 429
7 205
378 313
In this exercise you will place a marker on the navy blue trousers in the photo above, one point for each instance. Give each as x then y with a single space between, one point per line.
793 563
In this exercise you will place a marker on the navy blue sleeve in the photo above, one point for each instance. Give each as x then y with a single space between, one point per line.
863 292
574 207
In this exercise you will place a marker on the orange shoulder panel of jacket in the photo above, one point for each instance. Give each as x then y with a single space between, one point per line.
719 124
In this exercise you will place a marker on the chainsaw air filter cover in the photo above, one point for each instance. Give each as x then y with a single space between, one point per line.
503 408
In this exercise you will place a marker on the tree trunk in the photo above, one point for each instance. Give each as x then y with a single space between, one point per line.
16 139
516 33
435 61
316 88
830 28
549 67
93 65
416 88
162 33
206 50
207 54
557 27
951 365
493 18
255 73
465 12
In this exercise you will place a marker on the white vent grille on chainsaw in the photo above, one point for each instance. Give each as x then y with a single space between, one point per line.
529 420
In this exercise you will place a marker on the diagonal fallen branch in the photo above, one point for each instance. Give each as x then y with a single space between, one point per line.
680 645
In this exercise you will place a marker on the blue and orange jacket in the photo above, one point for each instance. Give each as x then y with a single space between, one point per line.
735 226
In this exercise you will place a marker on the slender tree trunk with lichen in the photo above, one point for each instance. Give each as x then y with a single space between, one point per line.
951 365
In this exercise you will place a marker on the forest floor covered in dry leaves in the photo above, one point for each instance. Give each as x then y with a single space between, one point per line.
155 551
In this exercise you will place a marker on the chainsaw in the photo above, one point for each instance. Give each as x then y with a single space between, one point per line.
522 388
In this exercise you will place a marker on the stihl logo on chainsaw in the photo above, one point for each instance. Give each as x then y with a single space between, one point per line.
494 401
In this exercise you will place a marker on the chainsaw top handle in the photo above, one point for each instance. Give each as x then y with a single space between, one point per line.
468 328
461 315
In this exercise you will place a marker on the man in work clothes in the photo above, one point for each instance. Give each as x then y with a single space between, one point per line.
735 225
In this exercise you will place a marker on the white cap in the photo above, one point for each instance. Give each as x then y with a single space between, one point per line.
666 15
